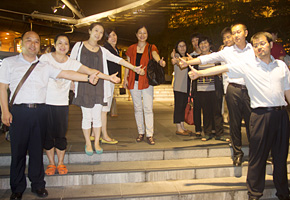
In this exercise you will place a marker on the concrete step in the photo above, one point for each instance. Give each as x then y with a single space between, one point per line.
142 171
145 152
230 188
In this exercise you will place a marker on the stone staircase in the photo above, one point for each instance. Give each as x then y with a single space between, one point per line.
199 173
161 92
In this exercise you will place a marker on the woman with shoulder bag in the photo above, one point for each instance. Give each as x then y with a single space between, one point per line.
139 87
92 98
180 88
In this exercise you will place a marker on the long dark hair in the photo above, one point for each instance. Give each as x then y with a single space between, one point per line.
176 48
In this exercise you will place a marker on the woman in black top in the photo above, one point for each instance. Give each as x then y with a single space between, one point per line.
111 45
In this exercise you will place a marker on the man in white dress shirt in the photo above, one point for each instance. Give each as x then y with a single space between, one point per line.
238 100
268 83
27 117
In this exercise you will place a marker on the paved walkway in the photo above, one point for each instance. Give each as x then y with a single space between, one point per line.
123 128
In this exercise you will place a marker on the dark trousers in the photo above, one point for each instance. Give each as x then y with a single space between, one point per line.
269 130
238 102
197 113
218 117
27 135
56 127
209 103
180 101
206 101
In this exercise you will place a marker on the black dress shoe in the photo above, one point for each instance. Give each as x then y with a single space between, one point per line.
238 160
16 195
40 192
280 197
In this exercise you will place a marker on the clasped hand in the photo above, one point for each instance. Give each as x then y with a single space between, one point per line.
93 78
193 73
114 78
139 70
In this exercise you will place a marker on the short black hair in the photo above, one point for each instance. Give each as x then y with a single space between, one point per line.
243 25
195 35
259 34
23 34
204 38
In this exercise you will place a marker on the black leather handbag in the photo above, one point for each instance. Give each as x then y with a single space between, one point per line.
155 72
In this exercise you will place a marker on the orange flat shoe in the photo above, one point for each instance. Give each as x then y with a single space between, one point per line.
50 170
62 169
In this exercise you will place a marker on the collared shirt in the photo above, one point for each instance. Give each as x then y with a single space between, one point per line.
266 83
231 55
34 88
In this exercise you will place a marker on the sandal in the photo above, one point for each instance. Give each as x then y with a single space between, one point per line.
62 169
150 140
184 133
206 138
221 138
112 141
50 170
140 138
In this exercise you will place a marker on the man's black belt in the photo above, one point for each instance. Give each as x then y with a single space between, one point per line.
271 108
243 87
29 105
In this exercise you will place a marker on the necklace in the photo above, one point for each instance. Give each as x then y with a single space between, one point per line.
140 48
92 46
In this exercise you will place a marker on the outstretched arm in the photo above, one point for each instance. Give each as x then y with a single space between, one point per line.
6 115
194 74
183 63
86 70
75 76
128 65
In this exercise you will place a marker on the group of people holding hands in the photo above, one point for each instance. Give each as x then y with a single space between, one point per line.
256 91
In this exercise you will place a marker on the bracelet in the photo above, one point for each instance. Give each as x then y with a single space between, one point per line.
88 78
134 68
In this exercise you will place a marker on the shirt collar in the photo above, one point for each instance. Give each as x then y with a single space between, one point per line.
272 63
248 46
22 58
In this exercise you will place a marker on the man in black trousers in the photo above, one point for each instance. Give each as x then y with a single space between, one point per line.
28 116
237 97
268 83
